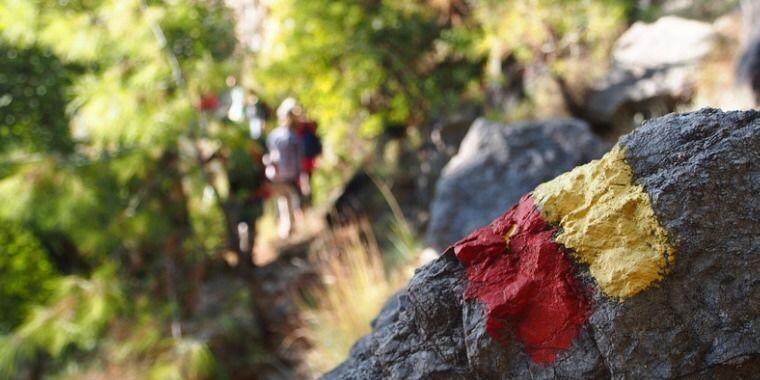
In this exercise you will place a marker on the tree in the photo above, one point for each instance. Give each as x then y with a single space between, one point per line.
362 66
33 101
105 137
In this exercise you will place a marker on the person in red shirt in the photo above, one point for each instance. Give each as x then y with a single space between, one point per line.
312 147
208 102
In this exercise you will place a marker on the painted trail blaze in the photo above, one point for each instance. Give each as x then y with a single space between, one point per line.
608 222
526 282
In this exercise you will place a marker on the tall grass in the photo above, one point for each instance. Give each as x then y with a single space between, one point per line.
355 285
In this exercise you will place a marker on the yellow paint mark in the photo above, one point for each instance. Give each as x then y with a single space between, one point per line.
609 223
510 233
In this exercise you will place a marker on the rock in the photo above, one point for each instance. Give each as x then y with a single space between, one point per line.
748 68
652 71
441 140
668 41
408 345
700 173
357 196
498 163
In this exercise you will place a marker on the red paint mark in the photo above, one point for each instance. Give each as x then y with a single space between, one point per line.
527 284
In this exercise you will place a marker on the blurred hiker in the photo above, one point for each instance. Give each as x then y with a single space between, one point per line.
312 147
256 112
208 102
284 167
244 203
236 112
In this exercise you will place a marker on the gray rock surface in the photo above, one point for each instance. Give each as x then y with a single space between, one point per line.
418 334
498 163
703 175
702 171
652 71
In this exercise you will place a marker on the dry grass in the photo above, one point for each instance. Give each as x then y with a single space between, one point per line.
356 284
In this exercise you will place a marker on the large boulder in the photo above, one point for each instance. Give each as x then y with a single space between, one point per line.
684 188
498 163
652 71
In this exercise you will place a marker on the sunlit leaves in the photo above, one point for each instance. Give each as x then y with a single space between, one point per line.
550 30
115 111
73 38
18 19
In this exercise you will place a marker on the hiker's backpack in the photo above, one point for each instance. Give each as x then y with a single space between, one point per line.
312 145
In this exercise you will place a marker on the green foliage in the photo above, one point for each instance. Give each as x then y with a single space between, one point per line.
566 36
27 274
187 360
81 318
105 156
365 64
197 28
146 353
128 115
74 318
33 100
51 198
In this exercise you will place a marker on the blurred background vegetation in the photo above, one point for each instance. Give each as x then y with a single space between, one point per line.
112 248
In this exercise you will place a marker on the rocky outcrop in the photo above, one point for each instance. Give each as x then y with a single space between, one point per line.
652 71
498 163
662 233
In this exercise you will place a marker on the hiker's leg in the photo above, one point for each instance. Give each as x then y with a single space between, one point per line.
243 238
305 184
232 218
295 201
284 212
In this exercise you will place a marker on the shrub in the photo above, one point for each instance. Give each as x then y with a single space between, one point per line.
26 274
